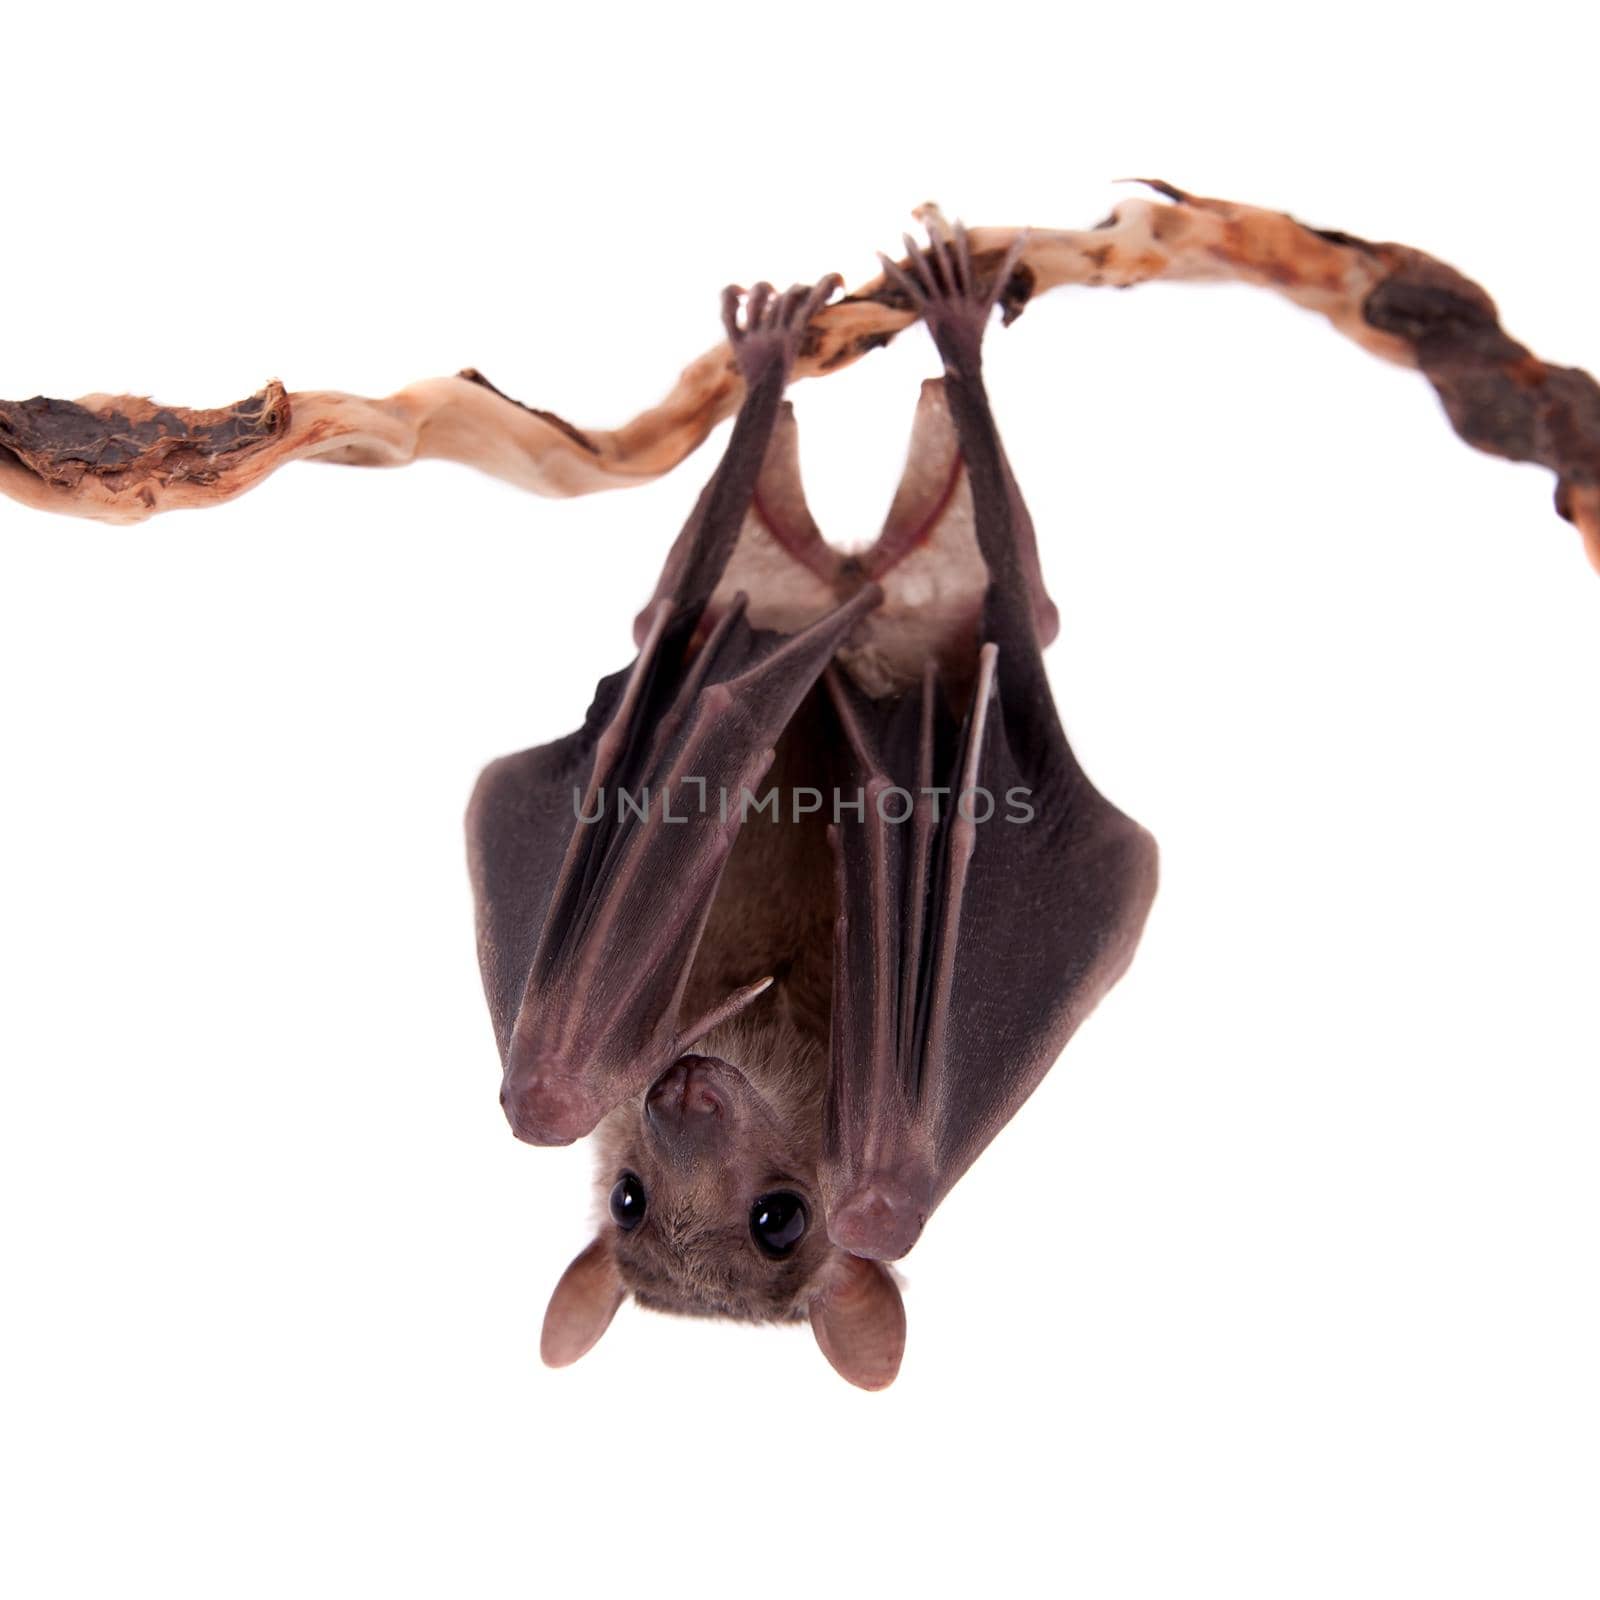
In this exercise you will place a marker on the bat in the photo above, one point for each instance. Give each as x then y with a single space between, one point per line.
808 906
813 899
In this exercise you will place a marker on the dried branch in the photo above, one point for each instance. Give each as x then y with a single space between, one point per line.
121 459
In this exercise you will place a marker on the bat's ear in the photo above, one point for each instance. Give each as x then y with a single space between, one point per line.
860 1322
582 1307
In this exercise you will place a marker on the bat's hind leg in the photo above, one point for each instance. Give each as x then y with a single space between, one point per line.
946 291
765 342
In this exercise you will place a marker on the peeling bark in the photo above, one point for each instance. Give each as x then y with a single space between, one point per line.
121 459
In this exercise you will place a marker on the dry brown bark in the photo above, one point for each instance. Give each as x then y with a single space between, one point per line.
120 459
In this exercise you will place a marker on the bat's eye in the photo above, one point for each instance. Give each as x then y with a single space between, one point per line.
627 1202
778 1223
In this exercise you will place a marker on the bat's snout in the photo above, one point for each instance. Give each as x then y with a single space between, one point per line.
549 1110
689 1107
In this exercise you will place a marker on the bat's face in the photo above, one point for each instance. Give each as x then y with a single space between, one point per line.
710 1189
710 1206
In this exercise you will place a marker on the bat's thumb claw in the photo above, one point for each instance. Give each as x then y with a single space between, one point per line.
880 1220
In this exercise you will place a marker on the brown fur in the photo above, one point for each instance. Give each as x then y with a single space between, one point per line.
693 1251
742 1117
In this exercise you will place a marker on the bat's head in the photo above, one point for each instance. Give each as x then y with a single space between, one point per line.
712 1208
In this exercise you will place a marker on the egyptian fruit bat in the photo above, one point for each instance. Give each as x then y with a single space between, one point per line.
808 906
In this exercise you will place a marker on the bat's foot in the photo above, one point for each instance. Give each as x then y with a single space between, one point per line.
944 290
774 325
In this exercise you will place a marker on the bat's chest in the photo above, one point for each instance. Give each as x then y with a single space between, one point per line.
774 908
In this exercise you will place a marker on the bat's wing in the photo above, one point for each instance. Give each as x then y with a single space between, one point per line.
595 859
989 895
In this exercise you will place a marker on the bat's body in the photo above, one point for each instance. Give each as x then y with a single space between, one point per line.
801 984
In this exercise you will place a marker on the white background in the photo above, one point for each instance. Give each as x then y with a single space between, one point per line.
1284 1283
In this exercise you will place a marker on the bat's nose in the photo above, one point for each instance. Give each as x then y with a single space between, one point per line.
686 1105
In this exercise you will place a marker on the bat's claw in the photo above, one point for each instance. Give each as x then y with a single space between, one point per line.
774 324
947 289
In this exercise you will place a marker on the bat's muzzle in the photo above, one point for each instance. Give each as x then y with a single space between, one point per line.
690 1108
